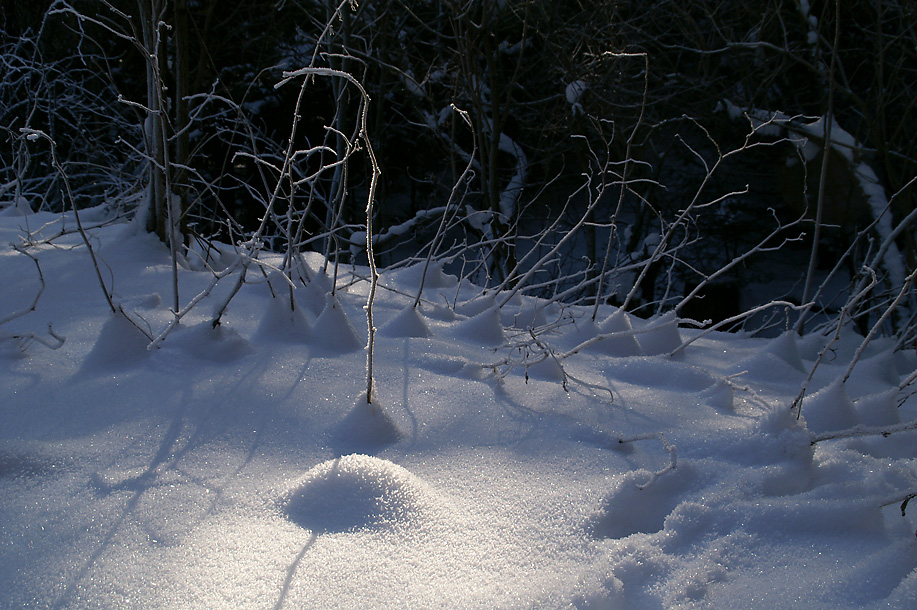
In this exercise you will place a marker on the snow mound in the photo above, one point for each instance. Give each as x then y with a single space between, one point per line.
477 306
220 343
548 369
18 207
485 327
612 337
357 492
523 314
367 427
663 338
879 370
879 409
410 278
785 347
720 396
829 409
332 332
660 373
767 366
284 320
120 344
408 323
622 345
635 507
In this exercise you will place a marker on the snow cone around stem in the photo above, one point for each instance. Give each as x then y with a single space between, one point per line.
366 428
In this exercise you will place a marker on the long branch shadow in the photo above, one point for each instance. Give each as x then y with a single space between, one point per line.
291 571
68 592
213 420
404 389
139 484
188 430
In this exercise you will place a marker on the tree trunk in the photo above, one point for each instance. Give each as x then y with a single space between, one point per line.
154 132
181 37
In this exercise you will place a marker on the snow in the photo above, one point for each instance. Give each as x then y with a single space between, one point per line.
509 197
574 93
242 467
19 206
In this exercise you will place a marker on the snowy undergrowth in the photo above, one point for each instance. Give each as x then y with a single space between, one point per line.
238 467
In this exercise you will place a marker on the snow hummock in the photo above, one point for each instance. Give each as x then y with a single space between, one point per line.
619 338
357 492
660 336
830 409
284 320
19 206
366 427
486 327
408 323
504 461
333 331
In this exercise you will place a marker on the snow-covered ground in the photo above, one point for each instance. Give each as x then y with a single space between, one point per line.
238 467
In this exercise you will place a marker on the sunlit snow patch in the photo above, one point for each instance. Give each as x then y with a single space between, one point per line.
357 492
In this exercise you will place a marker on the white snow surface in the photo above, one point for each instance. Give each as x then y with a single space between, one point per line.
241 467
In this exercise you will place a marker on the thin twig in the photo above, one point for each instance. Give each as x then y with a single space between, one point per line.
857 431
669 447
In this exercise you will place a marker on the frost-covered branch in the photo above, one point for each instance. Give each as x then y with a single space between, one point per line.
38 293
839 324
35 134
666 445
858 431
905 289
23 339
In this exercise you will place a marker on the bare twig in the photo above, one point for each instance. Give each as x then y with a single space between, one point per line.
845 312
34 134
858 431
666 445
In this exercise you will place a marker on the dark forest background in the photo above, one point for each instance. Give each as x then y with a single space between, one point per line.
634 152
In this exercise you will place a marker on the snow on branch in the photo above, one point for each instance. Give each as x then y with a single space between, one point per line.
358 238
509 197
817 133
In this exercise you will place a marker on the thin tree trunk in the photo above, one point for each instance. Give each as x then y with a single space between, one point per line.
149 11
181 39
